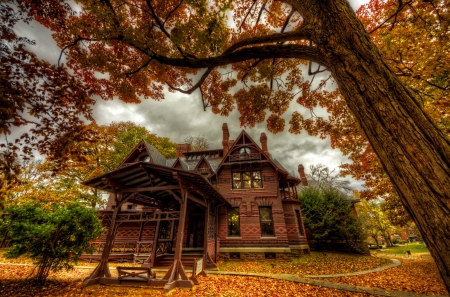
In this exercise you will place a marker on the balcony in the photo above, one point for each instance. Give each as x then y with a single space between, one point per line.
288 195
204 170
244 157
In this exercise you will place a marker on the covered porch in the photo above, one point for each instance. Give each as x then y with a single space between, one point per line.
180 210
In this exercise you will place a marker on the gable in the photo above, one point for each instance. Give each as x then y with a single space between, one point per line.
144 152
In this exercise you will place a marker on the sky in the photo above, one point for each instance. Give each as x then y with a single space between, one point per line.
179 115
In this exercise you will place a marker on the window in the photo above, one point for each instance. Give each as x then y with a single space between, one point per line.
265 218
131 206
233 222
144 158
247 180
244 150
299 222
164 229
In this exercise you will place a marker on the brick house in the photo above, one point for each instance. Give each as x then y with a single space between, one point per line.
251 199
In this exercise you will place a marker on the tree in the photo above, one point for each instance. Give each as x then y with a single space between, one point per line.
328 216
144 46
54 238
375 221
198 143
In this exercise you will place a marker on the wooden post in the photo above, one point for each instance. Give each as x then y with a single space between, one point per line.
205 244
289 190
151 259
102 269
181 222
176 276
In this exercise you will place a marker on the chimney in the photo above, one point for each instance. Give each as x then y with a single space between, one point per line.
301 171
226 138
183 148
263 140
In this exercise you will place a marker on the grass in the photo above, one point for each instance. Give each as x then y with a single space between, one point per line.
415 247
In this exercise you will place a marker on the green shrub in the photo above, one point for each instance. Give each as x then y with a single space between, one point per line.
54 238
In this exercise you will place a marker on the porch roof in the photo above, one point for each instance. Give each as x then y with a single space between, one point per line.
151 184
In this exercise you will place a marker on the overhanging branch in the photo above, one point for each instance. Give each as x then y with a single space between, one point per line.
262 52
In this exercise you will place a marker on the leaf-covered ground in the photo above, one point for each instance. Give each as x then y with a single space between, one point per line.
13 284
313 264
414 275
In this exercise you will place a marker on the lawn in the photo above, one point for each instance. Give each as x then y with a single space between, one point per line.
314 264
415 247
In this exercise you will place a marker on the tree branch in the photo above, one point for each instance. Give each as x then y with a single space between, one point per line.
198 84
304 32
262 52
79 38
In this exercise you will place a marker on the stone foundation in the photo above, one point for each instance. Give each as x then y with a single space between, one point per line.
261 254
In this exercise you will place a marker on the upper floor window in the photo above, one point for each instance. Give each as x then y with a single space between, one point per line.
131 206
244 150
266 220
247 179
144 158
233 222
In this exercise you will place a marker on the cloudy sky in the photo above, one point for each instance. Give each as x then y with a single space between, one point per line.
180 115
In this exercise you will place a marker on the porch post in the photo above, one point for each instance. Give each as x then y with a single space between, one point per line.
151 259
289 190
102 269
181 222
205 244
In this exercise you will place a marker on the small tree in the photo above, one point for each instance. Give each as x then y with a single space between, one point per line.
328 216
54 238
198 143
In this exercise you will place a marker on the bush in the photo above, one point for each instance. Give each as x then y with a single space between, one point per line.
54 238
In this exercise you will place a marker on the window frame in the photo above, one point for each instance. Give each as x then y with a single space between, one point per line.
252 181
271 220
229 222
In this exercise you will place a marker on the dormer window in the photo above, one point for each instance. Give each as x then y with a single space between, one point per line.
144 158
244 151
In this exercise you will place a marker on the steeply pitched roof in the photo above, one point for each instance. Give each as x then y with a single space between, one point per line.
156 156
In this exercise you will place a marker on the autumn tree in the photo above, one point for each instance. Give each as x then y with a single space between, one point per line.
198 143
144 46
53 105
375 221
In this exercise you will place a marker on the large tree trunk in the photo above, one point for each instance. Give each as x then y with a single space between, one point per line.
414 153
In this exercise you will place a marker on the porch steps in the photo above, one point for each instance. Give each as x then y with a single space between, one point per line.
166 260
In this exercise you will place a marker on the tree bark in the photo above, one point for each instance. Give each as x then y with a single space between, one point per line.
413 152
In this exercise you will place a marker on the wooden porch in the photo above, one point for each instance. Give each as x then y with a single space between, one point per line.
167 193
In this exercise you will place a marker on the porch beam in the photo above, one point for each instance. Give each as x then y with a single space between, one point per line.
196 200
149 189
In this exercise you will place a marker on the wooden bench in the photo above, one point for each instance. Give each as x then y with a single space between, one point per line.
140 274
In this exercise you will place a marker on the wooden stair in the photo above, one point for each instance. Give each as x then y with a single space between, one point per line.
166 260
